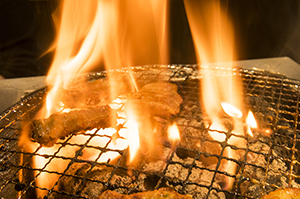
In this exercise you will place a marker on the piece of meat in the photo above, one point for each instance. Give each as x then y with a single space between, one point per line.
57 126
162 193
84 94
155 99
286 193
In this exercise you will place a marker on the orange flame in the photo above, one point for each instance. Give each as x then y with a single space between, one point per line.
109 32
133 138
214 43
251 123
251 120
173 133
231 110
94 33
43 155
230 167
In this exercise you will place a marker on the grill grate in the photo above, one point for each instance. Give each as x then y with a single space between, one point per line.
266 163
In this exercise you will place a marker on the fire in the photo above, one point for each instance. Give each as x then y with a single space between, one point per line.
231 110
213 39
229 166
125 33
133 138
251 123
111 33
214 130
173 133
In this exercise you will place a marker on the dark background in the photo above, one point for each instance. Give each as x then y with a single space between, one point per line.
263 29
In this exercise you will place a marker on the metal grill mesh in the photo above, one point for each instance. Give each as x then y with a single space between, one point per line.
273 98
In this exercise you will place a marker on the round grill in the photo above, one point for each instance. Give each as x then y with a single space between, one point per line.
264 164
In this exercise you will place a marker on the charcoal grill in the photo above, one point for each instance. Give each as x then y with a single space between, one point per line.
273 98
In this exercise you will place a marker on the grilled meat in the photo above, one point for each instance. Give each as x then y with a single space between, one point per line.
84 94
156 99
287 193
57 126
162 193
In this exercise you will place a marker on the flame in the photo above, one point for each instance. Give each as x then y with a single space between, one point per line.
133 138
173 133
213 38
132 32
267 132
116 33
229 167
251 120
251 123
214 130
43 157
231 110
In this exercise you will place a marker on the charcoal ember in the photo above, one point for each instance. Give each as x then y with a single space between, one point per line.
254 188
202 173
154 167
274 176
91 93
199 191
191 115
277 175
202 192
152 164
264 111
187 160
209 150
179 172
158 166
80 180
190 141
265 167
83 181
257 153
155 99
283 137
194 140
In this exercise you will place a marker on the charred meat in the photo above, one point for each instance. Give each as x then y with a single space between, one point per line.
156 99
162 193
287 193
57 126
